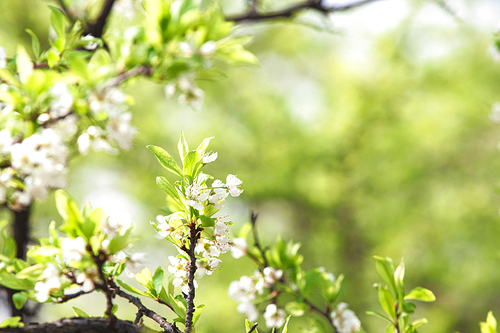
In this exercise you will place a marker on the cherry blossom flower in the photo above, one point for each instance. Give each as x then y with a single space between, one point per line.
62 100
274 316
3 58
232 183
208 49
209 157
73 248
135 263
91 45
271 275
345 320
249 309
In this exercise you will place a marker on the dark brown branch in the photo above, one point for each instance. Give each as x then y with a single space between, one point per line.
322 313
139 70
194 236
66 298
65 10
96 29
167 327
253 15
79 324
254 326
99 260
253 220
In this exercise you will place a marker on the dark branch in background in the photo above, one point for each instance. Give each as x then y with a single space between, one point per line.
65 10
143 311
139 70
96 29
99 260
194 236
253 219
21 231
253 328
253 15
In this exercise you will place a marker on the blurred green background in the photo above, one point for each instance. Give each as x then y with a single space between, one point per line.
371 138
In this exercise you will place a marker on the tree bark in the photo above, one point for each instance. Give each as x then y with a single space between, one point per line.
79 325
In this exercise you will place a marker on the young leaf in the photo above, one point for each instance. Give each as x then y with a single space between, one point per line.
19 299
385 269
165 185
490 326
80 313
421 294
35 43
285 328
376 314
165 160
130 288
12 322
24 64
387 302
182 146
197 313
58 21
204 145
158 280
145 278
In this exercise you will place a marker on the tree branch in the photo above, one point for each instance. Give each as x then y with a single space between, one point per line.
167 327
253 220
253 15
139 70
193 240
96 29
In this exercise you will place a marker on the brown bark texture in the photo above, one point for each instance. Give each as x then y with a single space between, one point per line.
79 325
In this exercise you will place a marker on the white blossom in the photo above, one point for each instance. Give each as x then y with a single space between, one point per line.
91 45
5 141
135 263
3 58
218 194
52 282
239 247
73 248
232 183
274 316
121 130
272 275
345 320
86 279
209 157
62 100
195 195
208 48
170 90
249 309
125 8
164 229
109 101
117 222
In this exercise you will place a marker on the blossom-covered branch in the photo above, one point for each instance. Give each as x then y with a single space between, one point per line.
318 5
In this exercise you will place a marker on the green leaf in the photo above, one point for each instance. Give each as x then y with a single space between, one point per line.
130 288
31 272
206 221
19 300
191 163
249 324
419 322
385 269
166 160
35 43
204 145
52 58
197 313
390 329
376 314
10 248
285 328
24 64
183 146
490 326
399 275
296 309
11 281
145 278
158 280
78 64
12 322
421 294
120 241
80 313
165 185
386 300
58 21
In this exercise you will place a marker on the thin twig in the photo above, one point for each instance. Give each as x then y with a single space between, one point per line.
65 10
96 29
254 326
139 70
253 219
253 15
167 327
66 298
194 236
99 260
321 312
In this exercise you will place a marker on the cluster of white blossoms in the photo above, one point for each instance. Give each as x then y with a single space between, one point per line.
210 250
245 292
198 196
40 160
274 316
345 320
179 268
109 103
